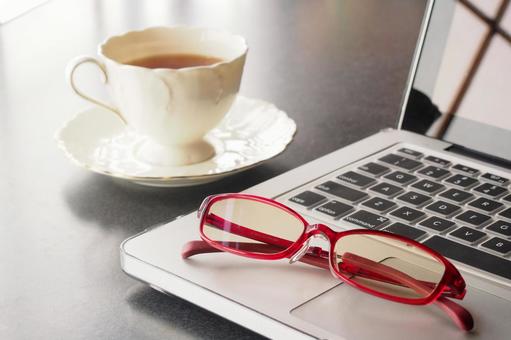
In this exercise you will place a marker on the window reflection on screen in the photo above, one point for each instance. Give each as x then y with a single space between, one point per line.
475 73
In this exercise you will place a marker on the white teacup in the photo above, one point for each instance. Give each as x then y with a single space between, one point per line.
173 108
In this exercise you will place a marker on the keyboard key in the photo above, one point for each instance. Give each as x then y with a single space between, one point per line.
473 218
500 227
379 204
366 219
308 199
400 177
437 160
355 179
491 190
437 224
468 235
411 153
407 214
414 198
401 162
462 181
334 209
486 204
506 213
443 208
507 198
494 178
470 256
428 186
465 169
405 230
388 190
498 245
374 169
342 191
456 195
434 172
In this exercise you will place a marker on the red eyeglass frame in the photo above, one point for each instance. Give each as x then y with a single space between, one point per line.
451 285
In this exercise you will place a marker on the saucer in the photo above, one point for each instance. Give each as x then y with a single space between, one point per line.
252 131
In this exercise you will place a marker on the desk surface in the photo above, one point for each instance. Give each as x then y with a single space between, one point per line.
337 67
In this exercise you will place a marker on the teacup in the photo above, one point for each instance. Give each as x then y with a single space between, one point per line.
173 108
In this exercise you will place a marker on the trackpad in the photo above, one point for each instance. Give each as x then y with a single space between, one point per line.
349 313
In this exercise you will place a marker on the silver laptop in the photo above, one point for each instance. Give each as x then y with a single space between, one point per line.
441 177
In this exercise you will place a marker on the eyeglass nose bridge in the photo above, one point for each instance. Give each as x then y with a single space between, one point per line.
313 231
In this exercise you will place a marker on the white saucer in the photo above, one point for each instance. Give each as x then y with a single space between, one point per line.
253 131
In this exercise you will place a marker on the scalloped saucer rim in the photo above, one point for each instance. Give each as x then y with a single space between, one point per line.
252 132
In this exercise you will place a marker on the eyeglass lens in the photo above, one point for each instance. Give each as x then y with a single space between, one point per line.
251 225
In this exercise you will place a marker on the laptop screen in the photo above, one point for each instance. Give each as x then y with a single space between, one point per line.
461 91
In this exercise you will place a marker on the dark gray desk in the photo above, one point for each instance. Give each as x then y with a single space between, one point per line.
337 67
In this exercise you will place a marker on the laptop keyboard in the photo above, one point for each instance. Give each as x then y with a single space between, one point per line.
460 211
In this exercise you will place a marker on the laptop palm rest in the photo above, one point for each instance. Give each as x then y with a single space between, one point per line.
345 311
306 298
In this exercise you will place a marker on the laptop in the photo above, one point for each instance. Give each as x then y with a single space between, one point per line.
441 176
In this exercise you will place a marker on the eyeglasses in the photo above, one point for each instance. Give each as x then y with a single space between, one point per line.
379 263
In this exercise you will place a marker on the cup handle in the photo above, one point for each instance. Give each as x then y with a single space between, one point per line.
70 70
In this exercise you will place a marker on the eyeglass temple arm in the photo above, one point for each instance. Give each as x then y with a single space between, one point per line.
458 314
355 268
315 258
352 264
201 247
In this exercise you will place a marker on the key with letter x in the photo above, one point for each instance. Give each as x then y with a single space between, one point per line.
407 214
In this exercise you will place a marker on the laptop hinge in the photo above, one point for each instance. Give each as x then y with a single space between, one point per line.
481 156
